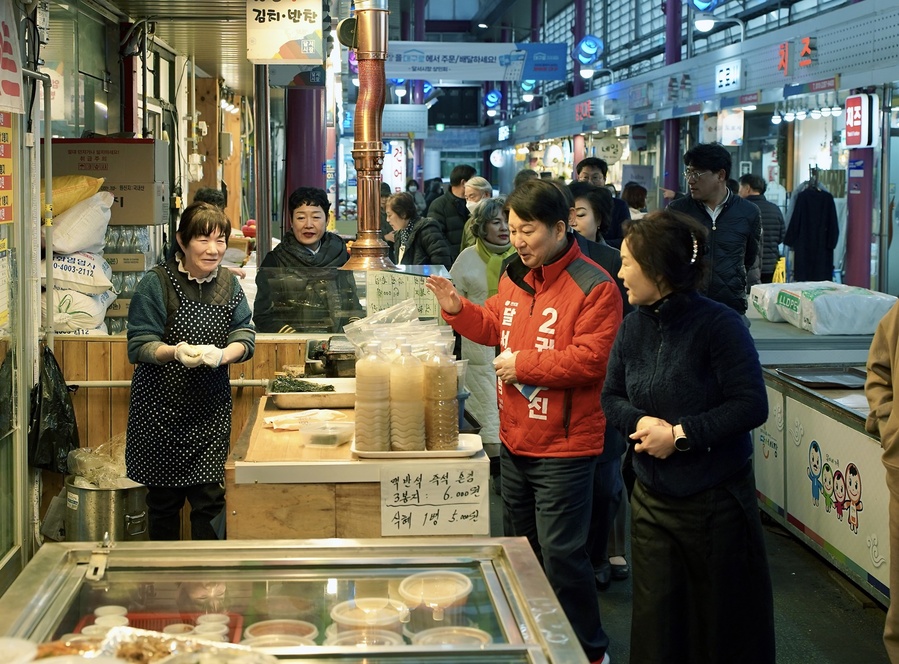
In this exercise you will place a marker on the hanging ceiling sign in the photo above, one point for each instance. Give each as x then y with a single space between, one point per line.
282 35
476 62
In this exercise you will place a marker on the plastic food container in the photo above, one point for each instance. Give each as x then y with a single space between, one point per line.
277 641
178 628
370 613
435 599
110 610
221 618
452 636
282 627
111 621
17 651
365 637
326 434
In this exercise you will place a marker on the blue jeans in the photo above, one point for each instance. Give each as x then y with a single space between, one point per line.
549 501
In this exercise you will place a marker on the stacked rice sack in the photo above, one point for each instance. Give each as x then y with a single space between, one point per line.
821 307
82 279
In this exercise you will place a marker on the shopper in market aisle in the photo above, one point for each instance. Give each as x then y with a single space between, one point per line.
476 276
752 188
418 240
477 189
298 285
554 317
412 189
608 525
734 225
883 421
595 171
685 386
187 321
449 210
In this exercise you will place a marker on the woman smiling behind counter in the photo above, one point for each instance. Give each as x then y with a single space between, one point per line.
186 322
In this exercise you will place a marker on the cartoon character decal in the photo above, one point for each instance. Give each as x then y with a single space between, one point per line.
814 470
839 493
827 485
854 496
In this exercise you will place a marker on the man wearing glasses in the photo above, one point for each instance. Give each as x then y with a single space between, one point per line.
735 224
595 171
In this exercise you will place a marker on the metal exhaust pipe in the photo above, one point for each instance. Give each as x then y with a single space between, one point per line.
368 35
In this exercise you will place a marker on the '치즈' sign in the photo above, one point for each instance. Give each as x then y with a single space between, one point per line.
859 112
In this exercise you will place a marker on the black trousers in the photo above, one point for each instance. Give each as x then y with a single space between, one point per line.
702 589
164 505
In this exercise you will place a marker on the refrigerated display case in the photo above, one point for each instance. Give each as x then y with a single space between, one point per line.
437 600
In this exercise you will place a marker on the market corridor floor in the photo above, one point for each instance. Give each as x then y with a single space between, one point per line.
819 615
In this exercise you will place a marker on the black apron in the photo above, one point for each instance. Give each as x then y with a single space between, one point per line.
179 420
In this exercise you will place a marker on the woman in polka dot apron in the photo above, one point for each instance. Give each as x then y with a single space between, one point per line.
187 321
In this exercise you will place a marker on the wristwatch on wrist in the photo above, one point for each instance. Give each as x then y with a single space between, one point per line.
681 444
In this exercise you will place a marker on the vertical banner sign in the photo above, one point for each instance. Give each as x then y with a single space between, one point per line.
10 72
859 113
6 168
283 32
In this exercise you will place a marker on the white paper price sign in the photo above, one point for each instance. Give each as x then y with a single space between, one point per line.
435 498
385 289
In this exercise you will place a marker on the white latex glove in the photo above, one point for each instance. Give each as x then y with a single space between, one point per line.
211 355
188 355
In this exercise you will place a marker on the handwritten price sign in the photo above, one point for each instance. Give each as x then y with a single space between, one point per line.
437 498
385 289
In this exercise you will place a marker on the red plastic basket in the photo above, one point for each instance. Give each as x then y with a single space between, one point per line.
157 621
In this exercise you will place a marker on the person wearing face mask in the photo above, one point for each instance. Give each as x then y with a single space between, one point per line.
419 198
476 276
449 210
298 285
187 321
477 189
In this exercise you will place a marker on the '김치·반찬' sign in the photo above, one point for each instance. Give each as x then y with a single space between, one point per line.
285 32
476 62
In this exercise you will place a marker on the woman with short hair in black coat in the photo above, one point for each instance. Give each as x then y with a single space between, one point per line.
417 240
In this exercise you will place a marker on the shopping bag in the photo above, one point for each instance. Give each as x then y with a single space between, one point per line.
52 430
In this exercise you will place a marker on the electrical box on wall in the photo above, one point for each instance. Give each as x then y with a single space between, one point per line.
226 145
42 21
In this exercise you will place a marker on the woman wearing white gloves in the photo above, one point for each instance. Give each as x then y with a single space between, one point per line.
187 320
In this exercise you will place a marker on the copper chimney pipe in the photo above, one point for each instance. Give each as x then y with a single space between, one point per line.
370 41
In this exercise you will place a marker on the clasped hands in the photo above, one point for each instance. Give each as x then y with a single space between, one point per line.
654 437
193 356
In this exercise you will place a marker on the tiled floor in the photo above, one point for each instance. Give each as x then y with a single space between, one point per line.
820 616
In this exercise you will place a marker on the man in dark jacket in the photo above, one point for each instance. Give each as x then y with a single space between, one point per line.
735 225
595 171
752 188
449 210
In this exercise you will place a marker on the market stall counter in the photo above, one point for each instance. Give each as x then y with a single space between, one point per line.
279 487
819 473
436 600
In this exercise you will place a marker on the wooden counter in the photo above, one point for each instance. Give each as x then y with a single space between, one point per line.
277 488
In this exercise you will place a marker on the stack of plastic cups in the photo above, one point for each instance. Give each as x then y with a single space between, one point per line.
372 401
441 403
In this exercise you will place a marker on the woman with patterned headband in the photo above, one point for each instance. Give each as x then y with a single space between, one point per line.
684 384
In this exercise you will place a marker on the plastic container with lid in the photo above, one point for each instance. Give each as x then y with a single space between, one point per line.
326 434
281 627
370 613
277 641
364 637
452 636
435 599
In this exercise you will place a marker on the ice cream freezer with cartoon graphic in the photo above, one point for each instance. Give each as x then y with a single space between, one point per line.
819 473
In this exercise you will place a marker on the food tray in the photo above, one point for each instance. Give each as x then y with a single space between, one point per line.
157 621
343 396
469 445
823 377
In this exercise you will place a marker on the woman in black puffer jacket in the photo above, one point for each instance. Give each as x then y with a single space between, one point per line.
418 240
